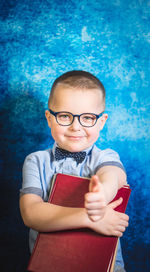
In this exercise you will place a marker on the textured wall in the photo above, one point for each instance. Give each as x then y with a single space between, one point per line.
39 41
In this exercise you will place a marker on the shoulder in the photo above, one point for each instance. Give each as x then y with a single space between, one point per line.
39 157
104 155
98 158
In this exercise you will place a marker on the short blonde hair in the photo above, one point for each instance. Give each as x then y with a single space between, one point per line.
78 79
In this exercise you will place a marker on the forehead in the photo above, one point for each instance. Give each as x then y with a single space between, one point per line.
75 99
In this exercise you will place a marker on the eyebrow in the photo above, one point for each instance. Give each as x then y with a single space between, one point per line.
56 112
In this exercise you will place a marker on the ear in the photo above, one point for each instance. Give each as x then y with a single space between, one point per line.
48 117
103 120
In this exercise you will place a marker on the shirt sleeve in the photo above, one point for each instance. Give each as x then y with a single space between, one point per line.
100 158
31 177
110 157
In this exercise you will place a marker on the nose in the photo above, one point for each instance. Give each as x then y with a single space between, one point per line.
75 125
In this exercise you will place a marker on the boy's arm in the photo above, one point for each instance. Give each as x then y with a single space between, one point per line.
112 178
102 189
45 217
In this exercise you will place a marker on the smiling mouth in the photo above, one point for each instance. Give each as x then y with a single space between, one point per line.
75 137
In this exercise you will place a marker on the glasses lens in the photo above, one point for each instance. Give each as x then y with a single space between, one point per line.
88 120
64 118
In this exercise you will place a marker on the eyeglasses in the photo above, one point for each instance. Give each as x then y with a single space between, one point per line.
64 118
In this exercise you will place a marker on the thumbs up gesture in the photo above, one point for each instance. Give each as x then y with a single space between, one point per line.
95 202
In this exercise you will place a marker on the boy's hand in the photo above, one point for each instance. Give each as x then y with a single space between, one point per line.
95 203
113 223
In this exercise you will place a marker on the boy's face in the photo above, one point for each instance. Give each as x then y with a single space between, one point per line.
75 137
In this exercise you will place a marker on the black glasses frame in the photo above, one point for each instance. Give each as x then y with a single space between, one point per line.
75 115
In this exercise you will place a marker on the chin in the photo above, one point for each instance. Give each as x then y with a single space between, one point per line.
74 147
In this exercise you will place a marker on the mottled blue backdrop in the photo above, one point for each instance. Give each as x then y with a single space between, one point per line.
39 41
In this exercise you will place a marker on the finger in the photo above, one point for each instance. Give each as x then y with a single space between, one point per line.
121 228
116 203
94 205
94 184
123 216
89 197
94 212
118 233
124 223
94 218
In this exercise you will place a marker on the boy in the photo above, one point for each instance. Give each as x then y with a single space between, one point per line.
75 116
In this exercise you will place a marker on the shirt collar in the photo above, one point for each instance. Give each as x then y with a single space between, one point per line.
88 150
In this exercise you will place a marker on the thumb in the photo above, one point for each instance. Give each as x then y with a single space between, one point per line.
94 185
115 203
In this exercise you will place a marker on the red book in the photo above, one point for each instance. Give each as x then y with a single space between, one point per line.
77 250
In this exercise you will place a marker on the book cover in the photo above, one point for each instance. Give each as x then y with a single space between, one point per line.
81 250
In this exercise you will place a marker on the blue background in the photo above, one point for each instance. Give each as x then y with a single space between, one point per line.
39 41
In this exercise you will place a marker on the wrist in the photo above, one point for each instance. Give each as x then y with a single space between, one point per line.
90 222
87 223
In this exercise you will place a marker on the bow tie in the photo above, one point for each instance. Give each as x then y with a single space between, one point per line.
62 154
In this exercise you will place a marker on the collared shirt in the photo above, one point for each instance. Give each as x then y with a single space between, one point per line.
40 167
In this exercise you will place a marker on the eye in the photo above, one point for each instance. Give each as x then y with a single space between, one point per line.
63 116
88 118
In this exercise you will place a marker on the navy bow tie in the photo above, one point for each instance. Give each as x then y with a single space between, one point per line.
62 154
